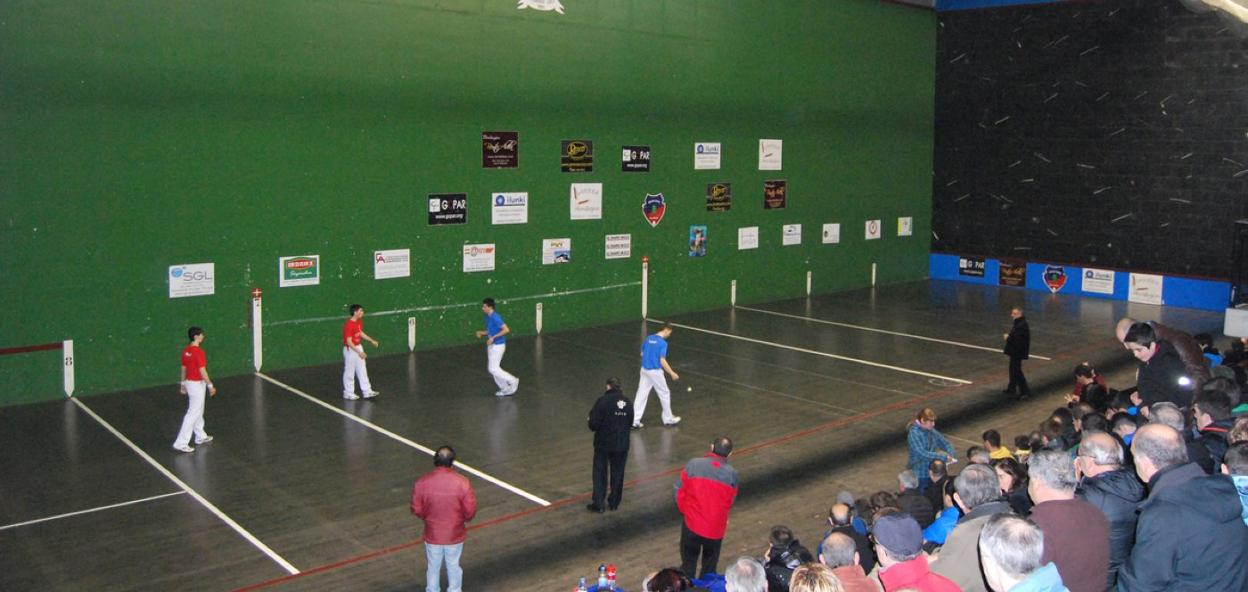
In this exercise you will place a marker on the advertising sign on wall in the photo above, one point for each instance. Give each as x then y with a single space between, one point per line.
635 159
873 229
302 270
1098 281
619 246
775 194
971 266
718 197
792 235
500 150
706 156
395 263
192 279
576 156
448 208
479 257
585 201
1145 289
831 233
747 238
1012 273
697 240
556 250
769 154
905 226
510 208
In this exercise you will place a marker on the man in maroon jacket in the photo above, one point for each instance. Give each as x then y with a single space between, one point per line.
704 495
445 501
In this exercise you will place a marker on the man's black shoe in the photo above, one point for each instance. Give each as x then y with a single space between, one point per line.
613 508
593 508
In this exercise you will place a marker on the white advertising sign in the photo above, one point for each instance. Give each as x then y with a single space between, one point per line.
586 201
706 156
769 152
1145 289
905 226
192 279
479 257
300 270
510 208
1098 281
873 229
831 233
556 250
747 238
395 263
792 235
619 246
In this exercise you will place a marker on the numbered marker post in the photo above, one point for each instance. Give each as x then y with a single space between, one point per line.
67 353
537 318
733 298
645 286
257 330
411 334
808 273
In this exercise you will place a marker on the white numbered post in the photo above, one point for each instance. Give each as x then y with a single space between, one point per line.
733 298
257 330
645 287
67 354
808 283
411 334
537 318
872 274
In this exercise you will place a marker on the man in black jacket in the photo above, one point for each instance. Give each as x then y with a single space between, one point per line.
1018 348
610 420
1189 352
782 557
1162 377
1212 411
911 501
1190 535
1114 490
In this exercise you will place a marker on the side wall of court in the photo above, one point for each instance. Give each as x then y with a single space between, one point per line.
135 137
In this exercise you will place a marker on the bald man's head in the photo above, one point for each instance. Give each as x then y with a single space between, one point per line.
1156 447
839 514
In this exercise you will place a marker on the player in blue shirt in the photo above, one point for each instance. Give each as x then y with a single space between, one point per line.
653 365
495 345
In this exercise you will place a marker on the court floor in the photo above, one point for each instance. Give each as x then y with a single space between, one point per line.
302 490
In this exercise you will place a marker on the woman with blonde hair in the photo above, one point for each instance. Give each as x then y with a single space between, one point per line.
927 445
814 577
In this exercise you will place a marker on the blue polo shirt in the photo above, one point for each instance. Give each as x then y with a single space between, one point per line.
494 324
652 350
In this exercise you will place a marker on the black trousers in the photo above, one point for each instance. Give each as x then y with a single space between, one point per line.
1017 379
691 545
613 463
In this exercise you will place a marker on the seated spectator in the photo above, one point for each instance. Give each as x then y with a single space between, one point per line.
864 514
1190 535
840 521
978 493
1051 435
668 579
1076 533
840 554
1069 431
1105 483
1162 377
910 501
978 455
934 536
1012 475
1022 447
992 441
1211 410
1085 375
937 475
881 501
1211 353
1167 413
1011 549
1127 401
1094 422
745 574
815 577
1236 359
899 545
1123 425
1235 464
1077 411
783 555
1239 432
926 444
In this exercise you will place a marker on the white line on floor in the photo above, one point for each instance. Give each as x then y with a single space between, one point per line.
875 330
81 512
383 431
191 492
817 353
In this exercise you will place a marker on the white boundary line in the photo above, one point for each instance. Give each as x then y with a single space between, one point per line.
383 431
191 492
873 329
816 353
81 512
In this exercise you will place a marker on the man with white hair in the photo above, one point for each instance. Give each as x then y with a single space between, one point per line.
840 554
912 501
1011 550
1114 490
1076 533
745 575
1167 413
1190 535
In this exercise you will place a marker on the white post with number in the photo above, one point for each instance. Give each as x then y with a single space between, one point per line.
257 330
537 318
733 298
411 334
67 354
645 287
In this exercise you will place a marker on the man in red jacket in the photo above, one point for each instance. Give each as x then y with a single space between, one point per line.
445 501
704 495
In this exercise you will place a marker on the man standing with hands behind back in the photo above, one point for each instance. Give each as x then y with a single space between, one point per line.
610 420
1018 347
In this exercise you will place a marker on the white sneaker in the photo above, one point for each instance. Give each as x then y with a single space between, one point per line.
675 420
504 393
184 448
638 426
511 388
371 394
204 440
350 396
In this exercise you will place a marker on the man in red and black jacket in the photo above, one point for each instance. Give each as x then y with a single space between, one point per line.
704 495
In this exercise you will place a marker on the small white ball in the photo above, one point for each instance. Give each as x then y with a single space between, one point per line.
689 389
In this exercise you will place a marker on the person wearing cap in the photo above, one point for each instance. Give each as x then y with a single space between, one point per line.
610 420
899 546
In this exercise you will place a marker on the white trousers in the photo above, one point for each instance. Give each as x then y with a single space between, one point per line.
494 360
354 366
652 379
193 421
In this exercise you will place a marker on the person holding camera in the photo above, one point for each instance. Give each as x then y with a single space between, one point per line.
782 557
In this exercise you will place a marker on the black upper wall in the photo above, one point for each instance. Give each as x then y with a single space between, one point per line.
1110 134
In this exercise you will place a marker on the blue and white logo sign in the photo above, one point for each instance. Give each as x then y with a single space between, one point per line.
193 279
510 208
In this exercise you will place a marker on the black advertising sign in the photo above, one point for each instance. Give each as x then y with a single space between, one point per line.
718 197
1012 273
500 150
448 208
576 156
971 266
635 159
775 194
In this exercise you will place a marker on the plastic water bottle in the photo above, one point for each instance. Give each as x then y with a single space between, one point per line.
581 586
602 576
611 577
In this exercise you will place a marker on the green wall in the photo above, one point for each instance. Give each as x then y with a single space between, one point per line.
139 135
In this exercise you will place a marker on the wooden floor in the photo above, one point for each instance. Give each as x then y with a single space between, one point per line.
299 480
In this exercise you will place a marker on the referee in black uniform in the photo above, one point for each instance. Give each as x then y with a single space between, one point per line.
610 420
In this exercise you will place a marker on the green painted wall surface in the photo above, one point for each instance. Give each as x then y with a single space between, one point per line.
139 135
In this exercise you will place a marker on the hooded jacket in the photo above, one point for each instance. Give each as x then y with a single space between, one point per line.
959 558
1117 494
1190 535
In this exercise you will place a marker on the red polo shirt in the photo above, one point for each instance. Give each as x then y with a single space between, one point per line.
194 360
351 332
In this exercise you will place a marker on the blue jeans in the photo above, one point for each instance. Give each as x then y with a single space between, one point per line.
434 554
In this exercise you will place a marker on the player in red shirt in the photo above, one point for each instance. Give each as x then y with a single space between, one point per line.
194 383
353 356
